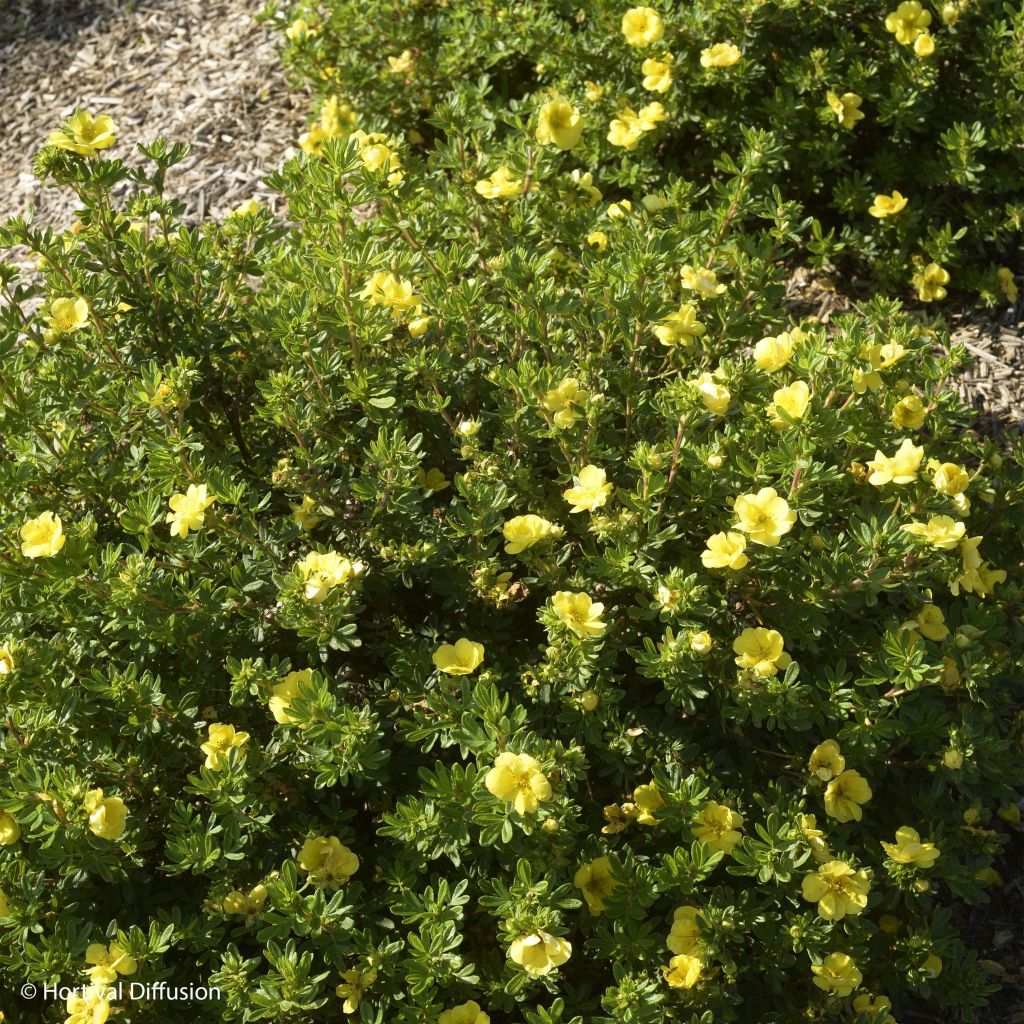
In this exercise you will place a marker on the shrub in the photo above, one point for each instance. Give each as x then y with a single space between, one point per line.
927 102
441 608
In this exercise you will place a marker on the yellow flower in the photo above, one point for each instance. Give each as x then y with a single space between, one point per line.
680 327
516 779
760 650
647 800
887 206
323 571
466 1013
845 794
579 613
459 659
618 211
908 849
312 141
950 479
1006 283
704 282
563 400
354 983
924 45
764 517
299 30
908 413
657 74
592 91
108 962
88 1005
642 26
900 469
327 861
978 577
908 21
617 817
222 739
590 490
701 642
539 952
304 515
7 662
596 881
930 282
584 181
717 826
791 400
283 692
684 936
67 315
720 55
814 837
716 397
654 203
10 830
932 965
106 814
826 761
403 63
598 239
376 153
84 135
876 1007
942 532
246 208
524 532
837 973
188 510
725 551
432 480
931 622
629 126
248 905
838 889
500 185
386 289
42 537
683 971
846 108
559 124
771 354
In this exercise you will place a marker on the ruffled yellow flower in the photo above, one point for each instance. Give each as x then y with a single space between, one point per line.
950 479
647 800
523 532
88 1005
108 962
909 413
765 517
826 761
564 401
516 779
725 551
188 510
466 1013
876 1007
353 985
684 936
791 400
107 815
887 206
539 952
642 26
327 862
384 288
241 904
579 613
66 316
715 396
680 327
931 282
760 651
559 124
500 185
838 889
10 830
845 107
942 532
222 739
42 537
930 623
595 880
584 182
924 45
83 134
908 849
771 354
304 515
837 974
7 661
284 692
377 154
300 30
683 971
403 63
720 55
717 826
814 837
323 571
432 480
908 21
701 642
702 281
978 577
901 469
459 659
629 126
845 794
590 490
657 74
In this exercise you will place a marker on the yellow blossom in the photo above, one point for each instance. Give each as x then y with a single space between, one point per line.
106 814
584 181
716 397
876 1007
300 29
66 316
459 659
108 962
826 761
88 1005
284 692
222 739
760 650
950 479
188 510
384 288
684 936
791 400
7 662
683 971
838 889
680 327
702 281
887 206
563 401
701 642
837 974
466 1013
243 904
523 532
593 91
590 490
598 239
595 880
83 134
814 837
765 516
720 55
647 799
323 571
901 469
42 537
977 577
1007 284
10 830
909 413
846 107
908 848
327 861
642 26
579 613
539 952
908 21
354 984
500 185
845 794
942 532
516 779
432 480
725 551
304 515
771 354
717 826
931 282
559 124
657 73
403 63
630 126
924 45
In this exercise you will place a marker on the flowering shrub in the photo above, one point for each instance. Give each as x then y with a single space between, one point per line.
498 608
901 125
